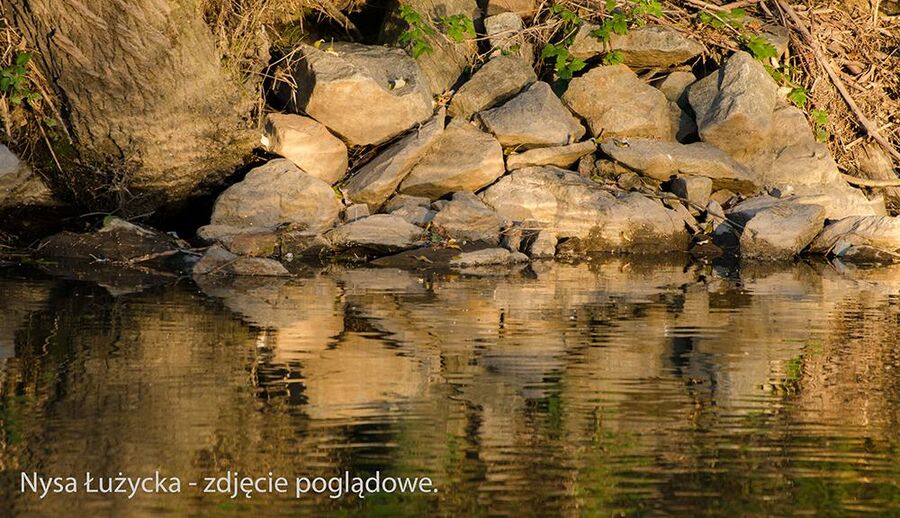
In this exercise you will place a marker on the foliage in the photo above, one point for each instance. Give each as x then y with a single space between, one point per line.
614 58
820 121
458 27
414 37
733 18
632 13
760 48
14 82
564 64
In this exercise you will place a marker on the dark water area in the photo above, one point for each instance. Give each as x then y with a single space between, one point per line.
614 388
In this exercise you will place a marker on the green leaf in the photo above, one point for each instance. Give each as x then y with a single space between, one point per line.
820 117
798 97
23 58
610 5
614 58
760 48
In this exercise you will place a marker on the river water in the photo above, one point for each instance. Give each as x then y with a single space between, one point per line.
618 387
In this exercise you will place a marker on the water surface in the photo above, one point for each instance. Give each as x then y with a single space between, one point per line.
619 387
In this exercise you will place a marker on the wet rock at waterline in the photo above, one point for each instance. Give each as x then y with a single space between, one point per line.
375 235
781 231
384 86
734 105
559 156
306 143
650 46
534 118
467 218
864 239
272 195
661 160
588 218
488 257
615 102
219 261
497 81
118 241
376 181
463 158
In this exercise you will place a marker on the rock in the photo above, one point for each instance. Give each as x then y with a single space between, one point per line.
403 200
497 81
675 85
695 189
376 181
467 218
19 185
417 215
866 239
722 196
385 88
355 212
504 33
586 217
379 234
448 59
616 103
559 156
781 231
875 163
544 245
734 105
271 195
219 261
462 159
524 8
117 241
662 160
534 118
488 257
839 200
306 143
685 127
255 244
649 46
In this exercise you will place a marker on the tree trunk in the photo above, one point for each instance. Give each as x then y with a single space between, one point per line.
153 115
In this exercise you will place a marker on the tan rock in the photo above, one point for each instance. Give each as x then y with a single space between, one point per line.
534 118
559 156
497 81
649 46
306 143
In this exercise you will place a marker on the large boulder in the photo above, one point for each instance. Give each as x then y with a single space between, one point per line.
376 181
464 158
661 160
306 143
615 102
861 239
495 82
781 231
448 59
380 234
734 106
467 218
534 118
366 94
650 46
583 217
272 195
559 156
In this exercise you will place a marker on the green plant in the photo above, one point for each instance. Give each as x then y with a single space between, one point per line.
631 14
613 58
733 18
414 38
564 65
820 120
760 48
14 82
458 27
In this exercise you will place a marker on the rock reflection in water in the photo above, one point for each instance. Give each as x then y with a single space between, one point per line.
612 386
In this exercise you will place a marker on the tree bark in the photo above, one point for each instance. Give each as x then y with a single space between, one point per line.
153 114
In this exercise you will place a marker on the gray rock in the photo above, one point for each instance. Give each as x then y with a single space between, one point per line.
866 239
616 103
462 159
488 257
675 85
306 143
384 86
219 261
380 234
355 212
403 200
274 194
118 241
684 124
662 160
695 189
376 181
734 105
20 187
443 66
559 156
534 118
504 33
649 46
781 231
417 215
589 218
467 218
497 81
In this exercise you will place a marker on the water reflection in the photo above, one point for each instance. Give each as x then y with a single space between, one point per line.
588 389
